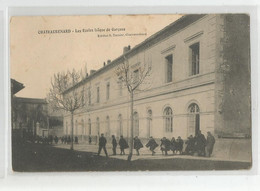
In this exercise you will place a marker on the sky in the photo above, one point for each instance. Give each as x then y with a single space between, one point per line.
36 56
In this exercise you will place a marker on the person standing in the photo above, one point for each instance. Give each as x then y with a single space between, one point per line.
123 145
173 145
152 145
209 144
56 139
179 145
114 144
102 144
137 145
190 145
165 145
200 144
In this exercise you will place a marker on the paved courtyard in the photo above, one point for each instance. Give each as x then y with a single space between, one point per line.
31 157
145 153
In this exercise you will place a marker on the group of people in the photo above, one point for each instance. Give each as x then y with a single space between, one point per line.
47 139
67 140
197 145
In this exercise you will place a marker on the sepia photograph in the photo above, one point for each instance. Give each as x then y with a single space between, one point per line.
130 93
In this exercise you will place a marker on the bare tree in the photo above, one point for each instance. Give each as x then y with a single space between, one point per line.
64 95
132 79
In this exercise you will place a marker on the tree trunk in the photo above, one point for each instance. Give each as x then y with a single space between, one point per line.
72 139
131 127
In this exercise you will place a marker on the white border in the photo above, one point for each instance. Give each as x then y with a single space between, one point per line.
152 180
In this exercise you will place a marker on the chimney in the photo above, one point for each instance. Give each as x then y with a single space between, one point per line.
104 63
92 72
125 49
108 61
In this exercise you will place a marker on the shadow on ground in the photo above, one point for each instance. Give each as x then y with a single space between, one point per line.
29 157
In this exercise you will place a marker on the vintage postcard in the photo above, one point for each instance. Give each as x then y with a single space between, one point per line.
130 92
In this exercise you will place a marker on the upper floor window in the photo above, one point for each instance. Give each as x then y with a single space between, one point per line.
89 97
97 94
82 98
195 58
169 63
108 90
120 86
136 76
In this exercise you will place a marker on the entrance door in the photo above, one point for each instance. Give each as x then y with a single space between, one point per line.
194 119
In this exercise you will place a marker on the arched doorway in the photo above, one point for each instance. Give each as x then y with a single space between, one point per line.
136 124
149 122
194 119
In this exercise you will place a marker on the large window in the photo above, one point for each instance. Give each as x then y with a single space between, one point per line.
82 128
149 122
108 90
169 63
97 94
66 128
89 96
136 124
168 119
107 126
89 127
120 86
195 58
136 76
98 126
76 128
120 125
82 98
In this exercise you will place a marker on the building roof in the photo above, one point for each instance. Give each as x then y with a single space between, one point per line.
171 29
16 86
30 100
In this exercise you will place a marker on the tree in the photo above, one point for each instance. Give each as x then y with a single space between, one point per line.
132 79
65 95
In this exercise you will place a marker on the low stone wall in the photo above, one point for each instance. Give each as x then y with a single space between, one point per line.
233 149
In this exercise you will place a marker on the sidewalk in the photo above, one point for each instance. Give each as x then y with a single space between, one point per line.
145 154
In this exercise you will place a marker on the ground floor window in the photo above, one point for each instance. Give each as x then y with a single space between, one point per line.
136 124
168 119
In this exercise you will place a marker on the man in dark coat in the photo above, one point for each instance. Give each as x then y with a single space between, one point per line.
76 140
137 145
56 139
102 144
114 144
190 145
200 143
209 144
165 145
179 145
152 144
173 145
123 145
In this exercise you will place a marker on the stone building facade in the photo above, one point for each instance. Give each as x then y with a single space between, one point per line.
199 80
